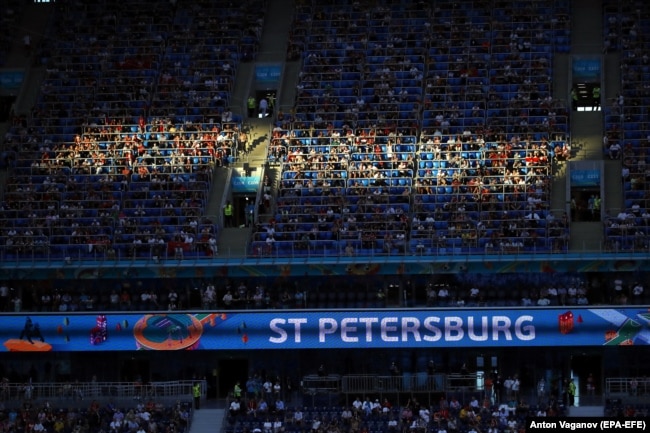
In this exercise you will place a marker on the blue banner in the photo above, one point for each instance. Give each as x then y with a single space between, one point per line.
586 69
585 178
11 80
327 330
245 184
268 73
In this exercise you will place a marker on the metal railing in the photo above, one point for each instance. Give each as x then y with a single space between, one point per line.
627 386
411 383
53 391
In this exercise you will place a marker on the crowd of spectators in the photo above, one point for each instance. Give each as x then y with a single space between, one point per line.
113 193
370 415
387 192
409 135
627 135
116 158
45 416
510 290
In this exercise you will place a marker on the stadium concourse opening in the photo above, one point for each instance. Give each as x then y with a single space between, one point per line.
317 378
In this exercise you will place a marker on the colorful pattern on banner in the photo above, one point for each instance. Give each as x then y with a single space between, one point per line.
327 330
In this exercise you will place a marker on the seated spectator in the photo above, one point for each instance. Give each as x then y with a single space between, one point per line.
267 426
263 407
298 417
357 405
346 415
315 425
543 301
235 408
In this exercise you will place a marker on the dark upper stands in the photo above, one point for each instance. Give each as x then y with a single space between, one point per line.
627 130
420 129
117 155
11 12
451 291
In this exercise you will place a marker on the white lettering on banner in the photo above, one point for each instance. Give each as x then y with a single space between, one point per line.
411 325
347 327
283 336
429 326
471 331
407 329
501 324
385 328
368 322
326 326
523 331
454 329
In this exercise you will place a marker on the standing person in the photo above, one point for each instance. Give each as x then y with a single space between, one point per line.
237 390
591 384
507 385
267 386
250 213
242 143
498 388
574 209
595 93
4 297
227 214
271 102
251 103
574 99
571 393
27 44
515 388
489 388
196 393
591 206
541 390
634 386
264 107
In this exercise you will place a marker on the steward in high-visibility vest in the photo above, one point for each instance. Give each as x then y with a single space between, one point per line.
251 104
574 99
595 94
227 213
196 393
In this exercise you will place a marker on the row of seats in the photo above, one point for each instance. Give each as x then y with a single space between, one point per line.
626 129
133 115
453 413
339 187
377 61
442 79
55 213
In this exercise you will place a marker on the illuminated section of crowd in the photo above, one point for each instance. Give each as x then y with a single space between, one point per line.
410 135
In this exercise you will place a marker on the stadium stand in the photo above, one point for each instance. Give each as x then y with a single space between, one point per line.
461 291
11 13
60 405
627 132
116 158
411 136
420 129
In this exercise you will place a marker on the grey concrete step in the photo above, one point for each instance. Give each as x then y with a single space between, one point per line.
207 421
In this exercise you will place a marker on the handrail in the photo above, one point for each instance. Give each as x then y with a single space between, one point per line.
631 386
53 391
362 385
